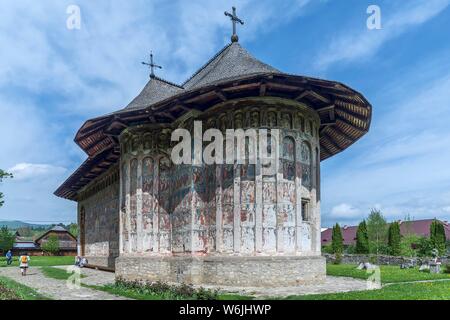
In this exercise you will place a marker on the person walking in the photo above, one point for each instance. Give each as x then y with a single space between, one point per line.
24 260
9 257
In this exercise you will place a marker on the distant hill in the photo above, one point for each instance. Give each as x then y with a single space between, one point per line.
20 224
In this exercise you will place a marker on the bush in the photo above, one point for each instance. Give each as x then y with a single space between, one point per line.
350 249
447 268
337 258
52 245
373 259
327 249
424 247
170 292
408 245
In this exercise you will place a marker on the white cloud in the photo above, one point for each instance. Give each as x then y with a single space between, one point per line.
344 210
25 171
350 46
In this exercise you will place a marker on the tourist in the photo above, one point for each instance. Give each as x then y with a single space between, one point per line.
77 261
83 262
9 257
24 259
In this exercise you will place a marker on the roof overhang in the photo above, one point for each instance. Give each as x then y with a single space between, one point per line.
344 113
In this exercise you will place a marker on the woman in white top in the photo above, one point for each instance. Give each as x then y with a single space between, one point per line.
23 263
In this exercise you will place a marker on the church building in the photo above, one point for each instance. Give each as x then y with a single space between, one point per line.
222 224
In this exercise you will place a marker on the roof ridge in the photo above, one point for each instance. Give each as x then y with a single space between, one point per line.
168 82
208 63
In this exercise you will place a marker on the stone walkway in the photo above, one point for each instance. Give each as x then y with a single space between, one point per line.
58 289
330 285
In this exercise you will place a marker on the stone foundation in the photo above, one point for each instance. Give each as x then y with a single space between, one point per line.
229 270
108 262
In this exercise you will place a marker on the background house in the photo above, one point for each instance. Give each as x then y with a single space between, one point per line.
67 243
420 228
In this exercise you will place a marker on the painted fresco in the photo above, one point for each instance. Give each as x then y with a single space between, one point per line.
164 204
148 203
133 204
306 165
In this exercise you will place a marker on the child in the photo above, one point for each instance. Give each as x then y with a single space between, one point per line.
23 260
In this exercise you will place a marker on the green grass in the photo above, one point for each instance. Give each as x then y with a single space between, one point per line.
437 290
41 261
57 273
139 295
12 290
389 274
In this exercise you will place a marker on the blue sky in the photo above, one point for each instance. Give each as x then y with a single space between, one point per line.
52 79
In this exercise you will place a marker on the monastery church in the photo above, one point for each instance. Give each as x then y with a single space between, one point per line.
221 224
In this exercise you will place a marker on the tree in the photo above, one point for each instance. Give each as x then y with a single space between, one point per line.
51 245
377 231
6 239
3 174
409 245
337 241
73 229
362 238
25 231
437 236
394 239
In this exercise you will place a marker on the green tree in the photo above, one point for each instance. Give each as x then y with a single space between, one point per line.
51 245
6 239
73 229
394 239
424 247
409 245
362 238
25 231
3 174
377 231
337 241
437 236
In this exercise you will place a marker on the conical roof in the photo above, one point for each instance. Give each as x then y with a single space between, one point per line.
231 61
155 90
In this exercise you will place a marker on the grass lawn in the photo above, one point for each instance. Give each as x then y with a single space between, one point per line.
142 295
389 274
12 290
41 261
437 290
57 273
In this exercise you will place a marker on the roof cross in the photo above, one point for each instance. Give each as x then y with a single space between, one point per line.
152 66
234 18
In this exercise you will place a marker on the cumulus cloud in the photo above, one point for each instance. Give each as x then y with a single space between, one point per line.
25 171
344 210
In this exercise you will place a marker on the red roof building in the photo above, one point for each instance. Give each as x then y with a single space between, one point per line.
418 227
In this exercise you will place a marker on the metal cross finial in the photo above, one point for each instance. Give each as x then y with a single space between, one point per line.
234 19
152 66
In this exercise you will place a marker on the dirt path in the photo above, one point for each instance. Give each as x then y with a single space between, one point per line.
58 289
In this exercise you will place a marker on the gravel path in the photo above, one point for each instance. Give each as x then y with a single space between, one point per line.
58 289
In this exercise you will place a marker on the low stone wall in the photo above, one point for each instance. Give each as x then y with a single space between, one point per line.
230 270
380 259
